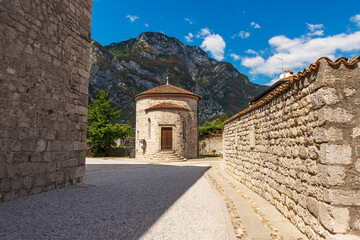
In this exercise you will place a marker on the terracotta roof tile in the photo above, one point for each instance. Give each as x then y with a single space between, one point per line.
167 106
166 89
291 80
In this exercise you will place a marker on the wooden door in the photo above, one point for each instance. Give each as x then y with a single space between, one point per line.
166 138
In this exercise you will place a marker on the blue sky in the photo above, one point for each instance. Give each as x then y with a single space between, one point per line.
252 35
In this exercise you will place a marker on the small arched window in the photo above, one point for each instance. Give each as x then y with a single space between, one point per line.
149 128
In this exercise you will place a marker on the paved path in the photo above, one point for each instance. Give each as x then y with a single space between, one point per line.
129 199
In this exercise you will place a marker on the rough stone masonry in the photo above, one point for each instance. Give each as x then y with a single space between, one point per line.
44 60
299 148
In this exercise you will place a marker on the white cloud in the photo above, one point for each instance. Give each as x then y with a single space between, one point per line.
250 51
212 42
317 33
315 29
253 62
188 20
235 57
255 25
215 44
274 80
132 18
298 53
356 19
189 37
146 25
242 34
203 33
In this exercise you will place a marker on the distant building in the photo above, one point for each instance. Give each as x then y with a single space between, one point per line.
167 124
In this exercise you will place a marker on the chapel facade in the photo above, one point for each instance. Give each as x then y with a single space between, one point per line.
167 124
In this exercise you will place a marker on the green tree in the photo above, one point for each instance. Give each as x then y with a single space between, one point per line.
103 129
214 126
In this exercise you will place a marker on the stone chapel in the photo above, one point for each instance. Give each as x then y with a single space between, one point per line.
167 124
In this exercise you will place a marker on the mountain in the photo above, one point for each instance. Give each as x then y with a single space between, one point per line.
138 64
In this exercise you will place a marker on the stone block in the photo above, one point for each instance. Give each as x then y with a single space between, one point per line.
41 145
72 162
80 171
331 175
335 154
79 146
10 196
324 96
57 176
334 219
303 152
355 132
16 183
2 171
5 185
83 110
337 115
26 169
313 206
342 197
349 92
357 165
35 157
342 237
313 152
327 135
27 182
12 170
20 157
40 180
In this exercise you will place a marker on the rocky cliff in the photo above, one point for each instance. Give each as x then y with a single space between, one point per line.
130 67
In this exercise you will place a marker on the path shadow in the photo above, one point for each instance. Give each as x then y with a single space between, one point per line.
120 203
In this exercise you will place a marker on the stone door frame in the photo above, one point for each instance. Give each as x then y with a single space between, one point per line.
162 125
161 138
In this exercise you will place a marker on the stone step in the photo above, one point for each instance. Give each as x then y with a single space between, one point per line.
160 158
167 160
174 157
167 156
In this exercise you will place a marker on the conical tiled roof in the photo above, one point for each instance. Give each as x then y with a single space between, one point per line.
166 89
167 106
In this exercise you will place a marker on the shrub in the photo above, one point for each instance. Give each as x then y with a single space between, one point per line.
103 129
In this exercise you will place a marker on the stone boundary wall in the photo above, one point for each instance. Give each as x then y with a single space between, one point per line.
116 152
299 148
128 142
209 143
44 61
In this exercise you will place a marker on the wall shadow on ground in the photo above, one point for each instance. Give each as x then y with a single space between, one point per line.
115 203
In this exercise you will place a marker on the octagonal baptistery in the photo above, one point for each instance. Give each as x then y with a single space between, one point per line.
167 124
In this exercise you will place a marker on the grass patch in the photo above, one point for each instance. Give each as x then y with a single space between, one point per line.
209 155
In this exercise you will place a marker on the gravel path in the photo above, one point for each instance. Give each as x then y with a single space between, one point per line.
136 201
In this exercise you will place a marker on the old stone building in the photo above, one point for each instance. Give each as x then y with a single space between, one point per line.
298 146
167 124
44 60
